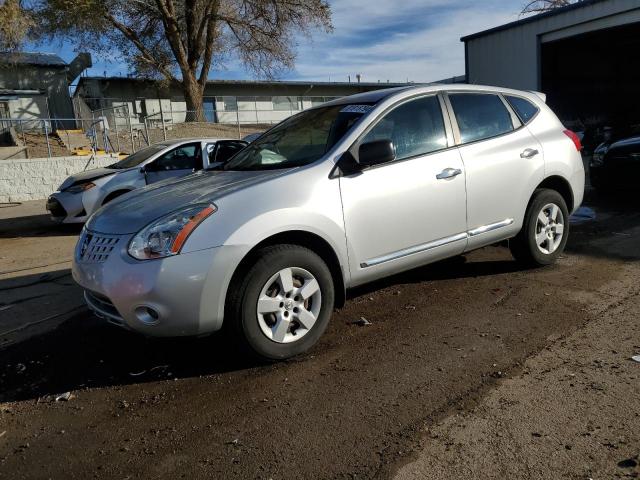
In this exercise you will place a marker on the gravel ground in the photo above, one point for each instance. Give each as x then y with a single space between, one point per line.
470 368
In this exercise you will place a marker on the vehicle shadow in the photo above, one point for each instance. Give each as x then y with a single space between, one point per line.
453 268
36 226
87 352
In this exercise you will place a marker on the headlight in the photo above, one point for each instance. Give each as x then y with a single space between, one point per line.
166 236
81 187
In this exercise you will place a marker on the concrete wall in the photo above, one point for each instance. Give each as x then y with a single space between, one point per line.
510 57
37 178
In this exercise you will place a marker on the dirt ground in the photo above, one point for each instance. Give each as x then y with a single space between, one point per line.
471 368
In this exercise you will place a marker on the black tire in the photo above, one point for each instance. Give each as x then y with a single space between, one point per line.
524 247
241 316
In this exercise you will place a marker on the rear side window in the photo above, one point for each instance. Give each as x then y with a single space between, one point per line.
480 116
524 108
415 128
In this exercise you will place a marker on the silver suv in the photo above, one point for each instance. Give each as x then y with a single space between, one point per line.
334 197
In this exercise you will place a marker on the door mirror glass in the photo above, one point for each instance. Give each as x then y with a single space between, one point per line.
376 153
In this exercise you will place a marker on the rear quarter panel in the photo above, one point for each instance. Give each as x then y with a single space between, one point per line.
560 154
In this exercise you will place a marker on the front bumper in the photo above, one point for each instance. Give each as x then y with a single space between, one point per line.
175 296
65 207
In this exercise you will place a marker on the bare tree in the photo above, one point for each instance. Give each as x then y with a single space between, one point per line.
177 40
539 6
15 23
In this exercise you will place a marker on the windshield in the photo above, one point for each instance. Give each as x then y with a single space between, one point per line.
299 140
137 158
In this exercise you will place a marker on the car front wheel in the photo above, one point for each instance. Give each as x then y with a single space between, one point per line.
545 230
281 305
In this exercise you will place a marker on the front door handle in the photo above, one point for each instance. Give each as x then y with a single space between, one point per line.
448 173
529 153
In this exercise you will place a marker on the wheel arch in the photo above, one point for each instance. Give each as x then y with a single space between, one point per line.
115 194
560 185
306 239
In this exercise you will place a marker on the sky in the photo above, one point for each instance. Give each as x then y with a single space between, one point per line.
394 40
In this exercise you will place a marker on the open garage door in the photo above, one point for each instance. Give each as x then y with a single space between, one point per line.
592 81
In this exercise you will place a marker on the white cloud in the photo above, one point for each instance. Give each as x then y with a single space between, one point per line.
421 54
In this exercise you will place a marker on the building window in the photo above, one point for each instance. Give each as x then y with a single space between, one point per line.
229 104
4 110
285 104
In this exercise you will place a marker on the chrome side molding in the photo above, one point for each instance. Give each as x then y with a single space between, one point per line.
436 243
411 250
491 227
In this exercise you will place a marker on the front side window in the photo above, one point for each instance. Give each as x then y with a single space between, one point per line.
137 158
299 140
226 150
415 128
480 116
184 157
524 108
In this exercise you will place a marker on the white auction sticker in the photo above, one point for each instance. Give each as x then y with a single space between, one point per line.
356 109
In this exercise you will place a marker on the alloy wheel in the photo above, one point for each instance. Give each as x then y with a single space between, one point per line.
289 305
549 228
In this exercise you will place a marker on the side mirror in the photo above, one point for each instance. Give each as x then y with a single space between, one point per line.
143 170
376 153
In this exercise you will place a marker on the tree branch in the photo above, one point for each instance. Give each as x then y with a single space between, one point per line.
132 36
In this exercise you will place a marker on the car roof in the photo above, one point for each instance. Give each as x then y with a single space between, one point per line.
179 141
378 96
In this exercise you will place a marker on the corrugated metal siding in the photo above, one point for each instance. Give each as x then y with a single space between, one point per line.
509 58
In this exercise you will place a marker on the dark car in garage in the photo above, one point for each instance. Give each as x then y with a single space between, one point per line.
616 164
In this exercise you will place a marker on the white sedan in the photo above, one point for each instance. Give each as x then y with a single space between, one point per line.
82 194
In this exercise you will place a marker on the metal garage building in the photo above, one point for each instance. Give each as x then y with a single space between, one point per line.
585 57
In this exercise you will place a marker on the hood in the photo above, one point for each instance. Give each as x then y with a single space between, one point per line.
130 213
87 176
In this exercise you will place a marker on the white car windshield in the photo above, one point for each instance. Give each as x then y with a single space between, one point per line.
299 140
137 158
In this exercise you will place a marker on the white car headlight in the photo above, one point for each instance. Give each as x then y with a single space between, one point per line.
166 236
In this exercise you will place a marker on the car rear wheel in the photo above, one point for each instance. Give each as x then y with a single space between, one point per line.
545 231
281 305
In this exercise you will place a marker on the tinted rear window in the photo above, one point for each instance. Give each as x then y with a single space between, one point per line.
480 116
524 108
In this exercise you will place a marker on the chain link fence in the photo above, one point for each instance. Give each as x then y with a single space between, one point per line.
162 126
126 126
51 137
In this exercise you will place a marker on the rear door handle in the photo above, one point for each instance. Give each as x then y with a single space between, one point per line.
529 153
448 173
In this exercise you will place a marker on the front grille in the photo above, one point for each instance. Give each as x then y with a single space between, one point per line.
55 208
103 307
95 247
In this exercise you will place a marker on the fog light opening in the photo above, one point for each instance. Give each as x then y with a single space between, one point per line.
147 315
